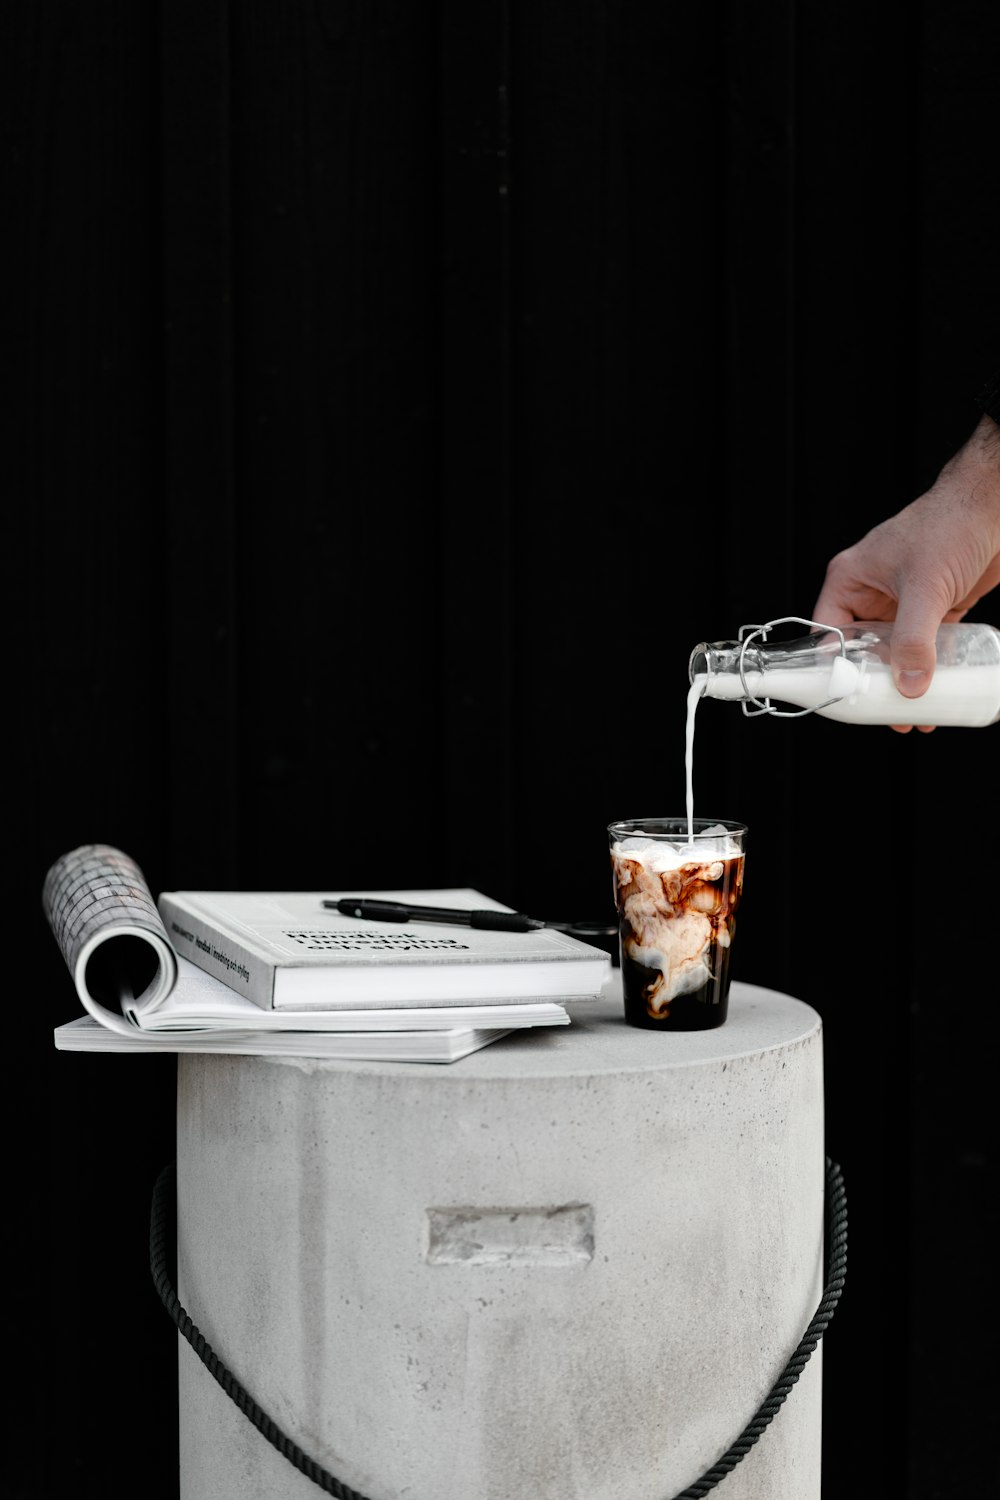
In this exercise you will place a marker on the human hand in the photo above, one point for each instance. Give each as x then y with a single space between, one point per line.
929 563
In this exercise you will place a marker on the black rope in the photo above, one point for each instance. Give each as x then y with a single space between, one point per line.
836 1262
248 1406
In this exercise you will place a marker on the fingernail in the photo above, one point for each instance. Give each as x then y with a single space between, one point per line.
912 683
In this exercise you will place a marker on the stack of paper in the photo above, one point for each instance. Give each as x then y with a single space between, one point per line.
281 973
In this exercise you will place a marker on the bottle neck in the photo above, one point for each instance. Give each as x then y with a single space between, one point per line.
718 665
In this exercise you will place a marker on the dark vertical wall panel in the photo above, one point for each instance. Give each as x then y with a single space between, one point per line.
84 598
618 153
338 549
957 303
396 395
954 1221
852 327
197 496
473 665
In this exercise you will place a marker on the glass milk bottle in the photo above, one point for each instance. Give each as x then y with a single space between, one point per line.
842 672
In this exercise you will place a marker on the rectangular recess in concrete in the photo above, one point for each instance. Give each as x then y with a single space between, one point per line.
559 1236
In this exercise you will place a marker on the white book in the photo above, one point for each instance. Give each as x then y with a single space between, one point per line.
287 951
88 1035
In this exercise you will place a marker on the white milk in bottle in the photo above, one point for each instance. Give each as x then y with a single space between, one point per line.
845 675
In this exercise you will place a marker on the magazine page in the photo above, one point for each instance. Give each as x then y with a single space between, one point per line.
104 919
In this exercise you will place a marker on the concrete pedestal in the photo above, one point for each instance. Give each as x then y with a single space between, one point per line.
569 1266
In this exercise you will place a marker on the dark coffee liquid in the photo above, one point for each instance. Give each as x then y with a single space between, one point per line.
698 1011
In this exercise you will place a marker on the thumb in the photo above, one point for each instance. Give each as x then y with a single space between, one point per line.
912 650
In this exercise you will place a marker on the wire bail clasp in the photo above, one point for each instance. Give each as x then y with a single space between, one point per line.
764 705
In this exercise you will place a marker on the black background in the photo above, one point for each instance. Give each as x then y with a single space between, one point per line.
397 393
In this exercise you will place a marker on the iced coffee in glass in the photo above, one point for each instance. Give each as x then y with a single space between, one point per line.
677 887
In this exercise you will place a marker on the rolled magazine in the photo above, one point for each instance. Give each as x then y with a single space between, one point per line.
104 919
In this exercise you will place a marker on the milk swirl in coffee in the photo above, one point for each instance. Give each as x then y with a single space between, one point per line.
677 886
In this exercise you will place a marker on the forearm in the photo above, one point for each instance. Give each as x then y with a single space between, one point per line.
972 476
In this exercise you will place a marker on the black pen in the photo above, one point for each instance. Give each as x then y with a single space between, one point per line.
396 911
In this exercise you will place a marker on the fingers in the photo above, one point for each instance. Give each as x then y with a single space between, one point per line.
831 614
828 609
912 653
